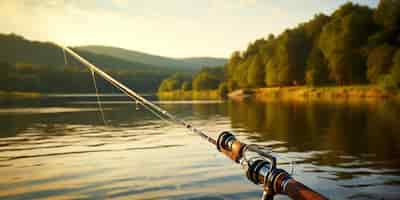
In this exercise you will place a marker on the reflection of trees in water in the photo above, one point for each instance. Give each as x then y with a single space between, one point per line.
367 130
362 129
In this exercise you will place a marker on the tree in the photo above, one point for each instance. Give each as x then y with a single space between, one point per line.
256 72
395 71
317 69
169 84
379 62
186 86
272 69
208 78
289 60
223 89
341 41
314 27
387 14
240 75
232 85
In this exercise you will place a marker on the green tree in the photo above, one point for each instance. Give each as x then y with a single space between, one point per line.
387 14
289 60
208 78
314 27
169 85
256 72
240 75
341 41
317 69
379 62
395 71
272 70
186 86
223 89
232 85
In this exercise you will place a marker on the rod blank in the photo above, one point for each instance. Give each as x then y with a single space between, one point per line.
133 95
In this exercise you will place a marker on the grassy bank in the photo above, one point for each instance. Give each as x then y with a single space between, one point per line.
15 94
318 93
189 95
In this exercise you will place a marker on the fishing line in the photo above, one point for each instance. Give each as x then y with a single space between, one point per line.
98 97
138 102
156 110
258 162
65 57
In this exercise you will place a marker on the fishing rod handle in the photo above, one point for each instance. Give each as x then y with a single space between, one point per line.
297 190
261 168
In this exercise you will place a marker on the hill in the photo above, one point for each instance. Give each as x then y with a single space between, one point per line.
32 66
150 59
15 49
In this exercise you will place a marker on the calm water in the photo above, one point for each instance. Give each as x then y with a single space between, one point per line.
59 148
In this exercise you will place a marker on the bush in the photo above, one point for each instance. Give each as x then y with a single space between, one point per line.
388 83
223 90
186 86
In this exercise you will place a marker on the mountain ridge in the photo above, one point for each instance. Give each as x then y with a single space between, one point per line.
189 63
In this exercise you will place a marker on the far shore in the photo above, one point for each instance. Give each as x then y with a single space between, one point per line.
16 94
305 93
189 95
293 93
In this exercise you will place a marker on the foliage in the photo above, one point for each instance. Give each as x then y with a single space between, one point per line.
317 71
255 75
388 83
223 89
379 62
186 86
183 64
174 82
395 71
208 79
31 66
355 44
341 41
388 14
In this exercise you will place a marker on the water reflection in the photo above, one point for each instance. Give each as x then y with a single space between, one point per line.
368 131
58 147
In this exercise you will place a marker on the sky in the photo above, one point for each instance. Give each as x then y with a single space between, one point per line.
174 28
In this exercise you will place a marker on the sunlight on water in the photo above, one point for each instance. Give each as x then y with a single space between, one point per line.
56 150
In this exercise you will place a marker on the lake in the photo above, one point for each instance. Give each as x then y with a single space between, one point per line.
58 147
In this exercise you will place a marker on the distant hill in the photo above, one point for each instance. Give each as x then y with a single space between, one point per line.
205 61
15 49
136 56
27 65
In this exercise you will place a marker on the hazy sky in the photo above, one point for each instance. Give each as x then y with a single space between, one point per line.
177 28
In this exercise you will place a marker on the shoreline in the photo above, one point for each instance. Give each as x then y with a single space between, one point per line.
16 94
305 93
189 95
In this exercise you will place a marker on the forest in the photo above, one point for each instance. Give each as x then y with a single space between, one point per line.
352 46
30 66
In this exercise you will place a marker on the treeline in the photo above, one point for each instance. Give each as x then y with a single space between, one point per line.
208 78
40 67
70 79
354 45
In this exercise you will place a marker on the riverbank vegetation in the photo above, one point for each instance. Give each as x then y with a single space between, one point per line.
205 84
353 92
356 45
189 95
30 66
15 94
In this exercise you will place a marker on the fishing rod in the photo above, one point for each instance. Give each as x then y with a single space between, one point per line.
259 164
